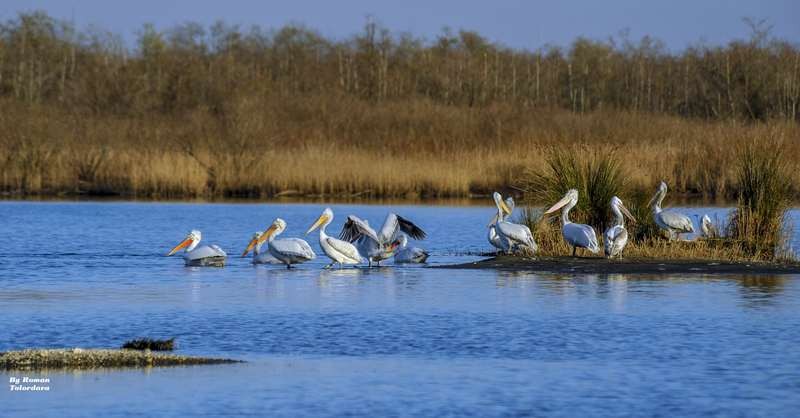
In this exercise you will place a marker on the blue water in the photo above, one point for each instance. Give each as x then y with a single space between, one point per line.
392 341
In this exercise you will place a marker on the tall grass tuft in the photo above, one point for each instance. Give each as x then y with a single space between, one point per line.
596 174
764 196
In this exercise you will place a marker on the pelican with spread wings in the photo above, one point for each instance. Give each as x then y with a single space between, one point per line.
377 247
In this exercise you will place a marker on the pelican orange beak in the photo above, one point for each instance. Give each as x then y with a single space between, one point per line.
250 246
178 247
321 220
558 205
268 233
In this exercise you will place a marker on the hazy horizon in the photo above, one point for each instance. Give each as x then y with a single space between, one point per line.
516 24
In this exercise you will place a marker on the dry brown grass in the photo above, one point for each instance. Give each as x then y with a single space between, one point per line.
353 147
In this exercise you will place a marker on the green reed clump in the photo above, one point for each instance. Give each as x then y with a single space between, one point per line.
764 196
597 175
546 234
645 227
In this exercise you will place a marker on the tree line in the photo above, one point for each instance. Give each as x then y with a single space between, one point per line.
48 61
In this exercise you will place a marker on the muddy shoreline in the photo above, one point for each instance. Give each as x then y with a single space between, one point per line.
596 265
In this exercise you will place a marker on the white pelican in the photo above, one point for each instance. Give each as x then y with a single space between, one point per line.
408 254
207 255
512 236
668 220
286 250
341 252
576 235
380 246
616 236
707 228
259 256
492 236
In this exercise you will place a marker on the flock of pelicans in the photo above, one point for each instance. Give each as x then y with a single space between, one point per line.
359 243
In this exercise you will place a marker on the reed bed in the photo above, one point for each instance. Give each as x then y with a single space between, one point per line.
755 231
354 147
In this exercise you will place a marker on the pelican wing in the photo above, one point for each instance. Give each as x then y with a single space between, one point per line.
615 239
580 235
345 248
676 221
519 234
294 247
355 228
495 239
395 223
205 251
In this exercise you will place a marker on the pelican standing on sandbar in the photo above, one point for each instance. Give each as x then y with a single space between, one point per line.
675 223
287 250
616 237
512 236
492 235
340 252
205 256
377 247
576 235
707 228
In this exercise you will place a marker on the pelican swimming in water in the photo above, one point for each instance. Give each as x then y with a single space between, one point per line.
576 235
707 228
675 223
377 247
408 254
287 250
512 237
207 255
616 237
259 256
492 235
340 252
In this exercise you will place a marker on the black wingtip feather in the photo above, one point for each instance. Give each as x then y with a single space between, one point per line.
411 229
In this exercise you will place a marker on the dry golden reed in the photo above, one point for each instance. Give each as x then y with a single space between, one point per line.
417 149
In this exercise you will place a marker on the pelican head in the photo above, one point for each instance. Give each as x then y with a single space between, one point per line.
403 240
570 198
617 204
253 242
660 191
192 237
278 226
498 201
324 219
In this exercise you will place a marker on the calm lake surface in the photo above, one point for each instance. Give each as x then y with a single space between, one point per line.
390 341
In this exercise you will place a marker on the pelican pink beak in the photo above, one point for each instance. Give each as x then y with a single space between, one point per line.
558 205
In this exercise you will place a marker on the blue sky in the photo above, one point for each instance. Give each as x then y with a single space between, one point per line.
515 23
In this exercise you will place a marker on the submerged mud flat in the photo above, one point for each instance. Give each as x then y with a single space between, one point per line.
78 358
597 265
